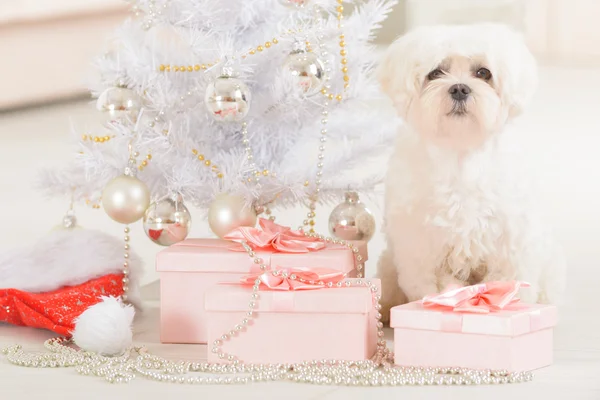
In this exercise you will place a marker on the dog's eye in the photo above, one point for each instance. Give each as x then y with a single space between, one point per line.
436 73
483 73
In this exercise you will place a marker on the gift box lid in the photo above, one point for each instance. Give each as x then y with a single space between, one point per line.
344 300
216 255
517 319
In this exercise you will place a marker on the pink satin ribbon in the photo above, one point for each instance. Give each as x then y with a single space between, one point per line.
294 278
278 237
482 298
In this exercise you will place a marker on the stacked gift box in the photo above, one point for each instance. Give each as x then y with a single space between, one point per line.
209 285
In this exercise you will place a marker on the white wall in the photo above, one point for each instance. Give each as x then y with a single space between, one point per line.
564 31
47 46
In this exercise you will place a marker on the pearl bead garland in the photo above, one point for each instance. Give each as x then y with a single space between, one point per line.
125 296
379 371
358 259
255 174
151 13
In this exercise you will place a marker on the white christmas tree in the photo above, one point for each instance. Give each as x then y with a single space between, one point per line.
234 106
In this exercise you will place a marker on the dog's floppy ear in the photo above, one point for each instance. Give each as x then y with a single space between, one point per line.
519 75
527 80
395 73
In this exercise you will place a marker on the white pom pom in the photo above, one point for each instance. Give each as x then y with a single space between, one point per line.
105 328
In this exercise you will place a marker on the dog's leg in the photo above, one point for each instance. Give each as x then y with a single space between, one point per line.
417 276
391 295
447 280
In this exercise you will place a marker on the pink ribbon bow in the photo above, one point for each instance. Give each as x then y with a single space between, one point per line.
481 298
295 278
281 238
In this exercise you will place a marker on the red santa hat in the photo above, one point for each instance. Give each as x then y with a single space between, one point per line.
71 282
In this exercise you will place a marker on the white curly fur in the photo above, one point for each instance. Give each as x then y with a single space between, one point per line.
458 209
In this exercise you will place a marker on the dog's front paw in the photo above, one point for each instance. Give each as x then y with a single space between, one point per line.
449 282
385 313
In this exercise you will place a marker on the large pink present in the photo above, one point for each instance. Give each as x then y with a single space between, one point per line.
291 326
480 327
187 269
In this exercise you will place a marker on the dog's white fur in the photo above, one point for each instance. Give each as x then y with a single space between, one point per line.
457 209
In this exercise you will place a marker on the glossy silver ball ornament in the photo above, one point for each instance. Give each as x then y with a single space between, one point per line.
307 71
351 220
227 99
119 102
294 3
167 221
125 199
69 222
228 212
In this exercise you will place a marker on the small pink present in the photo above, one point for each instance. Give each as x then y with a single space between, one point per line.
292 323
187 269
481 327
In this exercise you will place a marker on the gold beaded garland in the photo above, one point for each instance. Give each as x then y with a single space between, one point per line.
204 67
94 204
329 96
208 163
145 162
96 139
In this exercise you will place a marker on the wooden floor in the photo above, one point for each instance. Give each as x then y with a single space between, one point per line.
562 134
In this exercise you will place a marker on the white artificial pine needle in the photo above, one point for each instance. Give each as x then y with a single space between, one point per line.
283 125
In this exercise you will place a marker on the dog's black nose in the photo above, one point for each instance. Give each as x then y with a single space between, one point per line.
459 92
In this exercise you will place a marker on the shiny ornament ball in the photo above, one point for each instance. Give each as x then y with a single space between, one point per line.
167 221
228 212
125 199
227 99
69 222
307 70
119 102
294 3
352 220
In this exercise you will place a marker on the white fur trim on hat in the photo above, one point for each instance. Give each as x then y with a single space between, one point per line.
68 257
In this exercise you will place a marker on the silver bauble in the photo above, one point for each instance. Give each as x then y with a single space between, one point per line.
119 102
227 99
125 199
69 221
351 220
228 212
294 3
307 70
167 221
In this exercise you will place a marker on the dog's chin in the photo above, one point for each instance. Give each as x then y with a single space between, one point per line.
461 126
458 110
457 128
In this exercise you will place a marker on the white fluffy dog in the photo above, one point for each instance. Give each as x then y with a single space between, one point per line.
457 207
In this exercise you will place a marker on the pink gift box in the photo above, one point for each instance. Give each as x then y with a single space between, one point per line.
515 339
187 269
294 326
